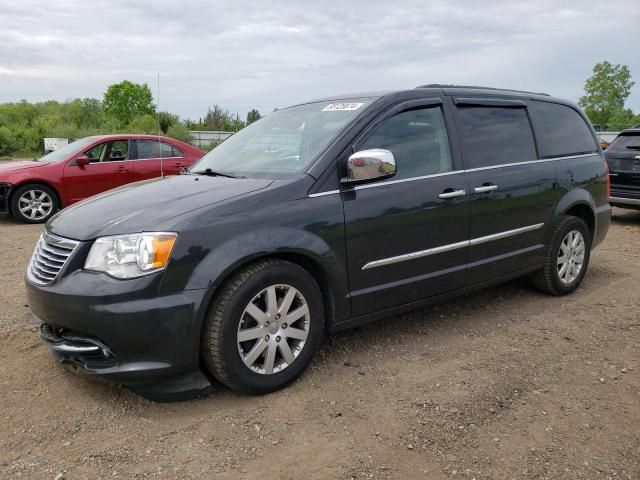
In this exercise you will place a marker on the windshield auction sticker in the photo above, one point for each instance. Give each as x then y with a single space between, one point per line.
341 107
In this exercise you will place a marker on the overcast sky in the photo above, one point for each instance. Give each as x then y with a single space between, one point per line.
248 53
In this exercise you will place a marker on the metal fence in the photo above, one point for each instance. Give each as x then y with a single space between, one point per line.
203 137
607 136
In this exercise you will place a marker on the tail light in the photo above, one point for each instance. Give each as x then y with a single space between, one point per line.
606 172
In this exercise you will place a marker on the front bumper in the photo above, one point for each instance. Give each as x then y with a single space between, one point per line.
123 331
5 192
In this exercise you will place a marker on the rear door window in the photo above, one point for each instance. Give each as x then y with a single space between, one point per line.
156 149
418 140
495 136
560 130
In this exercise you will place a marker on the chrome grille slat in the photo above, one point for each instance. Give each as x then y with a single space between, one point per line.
49 263
55 251
49 258
44 268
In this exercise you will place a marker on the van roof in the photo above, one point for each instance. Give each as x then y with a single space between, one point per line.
445 89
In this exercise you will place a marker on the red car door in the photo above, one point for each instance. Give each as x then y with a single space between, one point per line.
110 167
153 157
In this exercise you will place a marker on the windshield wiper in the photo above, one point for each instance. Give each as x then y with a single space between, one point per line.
213 173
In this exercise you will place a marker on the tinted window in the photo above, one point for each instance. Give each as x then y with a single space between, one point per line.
175 152
115 151
560 130
95 153
118 151
156 149
495 136
418 141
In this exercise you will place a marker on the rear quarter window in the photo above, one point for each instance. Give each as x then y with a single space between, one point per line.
560 130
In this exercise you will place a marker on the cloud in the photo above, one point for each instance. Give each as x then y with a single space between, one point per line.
247 54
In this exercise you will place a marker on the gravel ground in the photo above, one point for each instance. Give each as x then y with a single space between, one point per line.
503 383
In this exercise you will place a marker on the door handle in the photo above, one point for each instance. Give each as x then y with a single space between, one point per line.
485 188
452 194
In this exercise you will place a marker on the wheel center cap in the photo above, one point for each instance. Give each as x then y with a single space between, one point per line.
273 327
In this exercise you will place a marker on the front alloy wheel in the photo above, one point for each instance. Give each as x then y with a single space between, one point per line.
33 203
273 329
265 324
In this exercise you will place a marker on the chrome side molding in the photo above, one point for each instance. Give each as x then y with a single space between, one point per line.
415 255
452 246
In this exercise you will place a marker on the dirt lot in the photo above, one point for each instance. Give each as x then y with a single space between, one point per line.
504 383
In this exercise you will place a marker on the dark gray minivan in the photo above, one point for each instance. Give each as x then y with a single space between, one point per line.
318 217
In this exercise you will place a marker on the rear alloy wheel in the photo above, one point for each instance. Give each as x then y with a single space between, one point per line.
264 326
567 258
33 203
571 257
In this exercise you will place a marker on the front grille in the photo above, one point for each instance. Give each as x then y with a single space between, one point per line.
50 255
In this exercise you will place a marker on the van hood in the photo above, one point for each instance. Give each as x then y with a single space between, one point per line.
142 206
7 167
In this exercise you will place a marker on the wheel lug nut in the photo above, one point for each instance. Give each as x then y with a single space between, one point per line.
284 325
277 316
278 339
267 338
266 324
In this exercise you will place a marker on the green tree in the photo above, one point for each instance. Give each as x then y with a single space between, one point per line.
166 120
144 124
125 100
252 116
605 92
179 131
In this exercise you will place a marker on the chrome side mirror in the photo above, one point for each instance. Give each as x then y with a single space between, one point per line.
369 165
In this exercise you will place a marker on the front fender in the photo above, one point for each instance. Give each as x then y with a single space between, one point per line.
210 267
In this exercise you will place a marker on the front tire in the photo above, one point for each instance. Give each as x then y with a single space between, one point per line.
567 258
264 327
33 203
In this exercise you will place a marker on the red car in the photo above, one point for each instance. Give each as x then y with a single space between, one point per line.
33 190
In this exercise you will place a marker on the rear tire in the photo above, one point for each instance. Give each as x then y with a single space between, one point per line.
264 327
34 203
567 258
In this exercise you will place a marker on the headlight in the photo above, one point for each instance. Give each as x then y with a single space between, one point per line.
131 256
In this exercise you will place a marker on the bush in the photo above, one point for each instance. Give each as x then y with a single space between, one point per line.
144 124
179 131
7 142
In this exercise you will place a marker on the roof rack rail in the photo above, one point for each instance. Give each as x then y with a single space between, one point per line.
439 85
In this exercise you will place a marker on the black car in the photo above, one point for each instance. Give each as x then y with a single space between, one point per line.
316 218
623 158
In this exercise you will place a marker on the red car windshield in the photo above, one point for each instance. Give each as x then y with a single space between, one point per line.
64 152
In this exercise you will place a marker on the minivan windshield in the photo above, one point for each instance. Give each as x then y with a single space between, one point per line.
630 141
283 143
64 152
